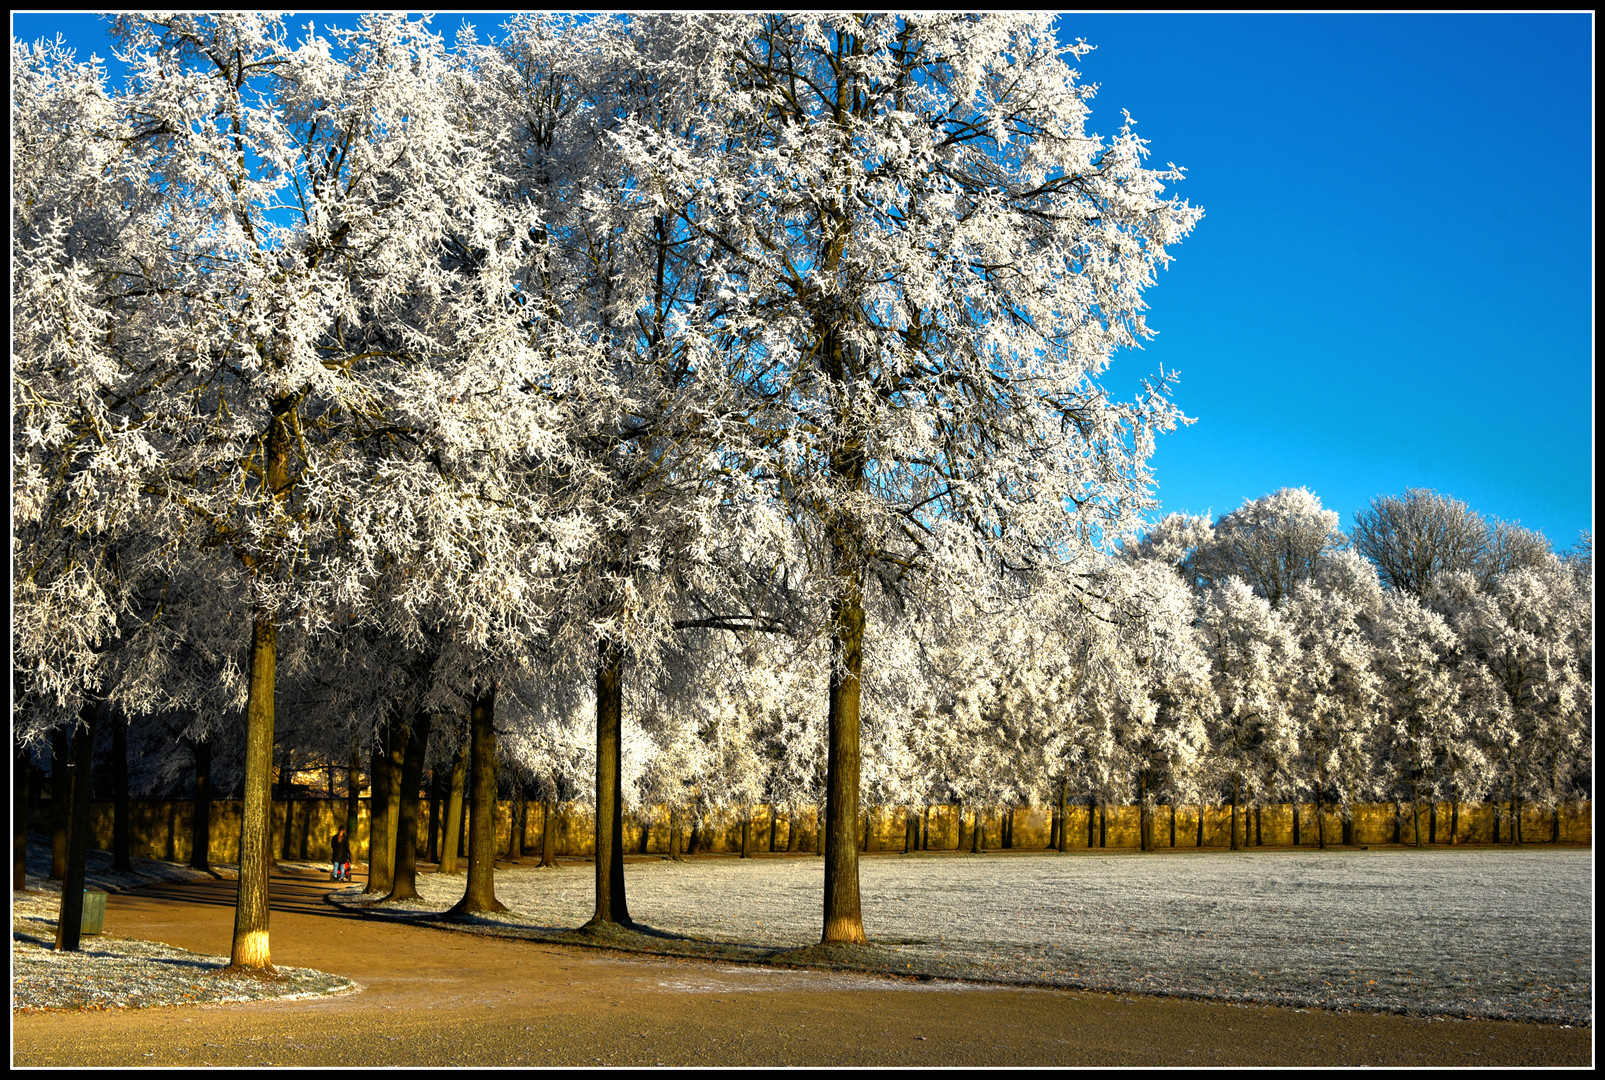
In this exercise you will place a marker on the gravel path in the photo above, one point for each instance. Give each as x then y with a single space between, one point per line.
1483 933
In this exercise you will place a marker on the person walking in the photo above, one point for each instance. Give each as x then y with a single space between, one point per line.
342 857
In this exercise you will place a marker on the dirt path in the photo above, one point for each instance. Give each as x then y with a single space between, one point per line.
437 997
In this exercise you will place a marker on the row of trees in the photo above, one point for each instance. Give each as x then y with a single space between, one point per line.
379 381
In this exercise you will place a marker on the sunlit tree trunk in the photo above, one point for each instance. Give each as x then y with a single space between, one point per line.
480 893
249 951
610 900
843 918
674 833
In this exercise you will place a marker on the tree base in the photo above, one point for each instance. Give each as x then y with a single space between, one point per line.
267 974
464 907
844 932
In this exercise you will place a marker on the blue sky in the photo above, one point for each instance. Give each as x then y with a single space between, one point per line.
1392 284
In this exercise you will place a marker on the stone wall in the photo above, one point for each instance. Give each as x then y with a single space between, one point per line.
160 829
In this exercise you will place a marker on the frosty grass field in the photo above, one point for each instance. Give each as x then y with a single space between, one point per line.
1484 933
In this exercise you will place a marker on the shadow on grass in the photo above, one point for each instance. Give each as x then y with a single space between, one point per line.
640 939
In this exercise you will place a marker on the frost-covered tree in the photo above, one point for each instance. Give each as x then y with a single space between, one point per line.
1252 734
1272 542
1523 629
1415 536
300 372
1421 697
1333 687
931 261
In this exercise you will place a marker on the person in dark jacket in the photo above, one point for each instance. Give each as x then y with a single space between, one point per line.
342 857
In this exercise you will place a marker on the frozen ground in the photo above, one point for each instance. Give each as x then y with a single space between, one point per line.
122 973
1487 933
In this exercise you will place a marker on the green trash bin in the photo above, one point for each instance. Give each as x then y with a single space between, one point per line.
94 916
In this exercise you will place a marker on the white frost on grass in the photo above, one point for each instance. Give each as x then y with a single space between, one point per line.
1489 933
124 973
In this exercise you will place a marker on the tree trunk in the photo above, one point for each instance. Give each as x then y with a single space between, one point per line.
1295 822
548 833
515 824
1092 822
610 900
1236 781
120 859
1515 810
480 893
1320 816
978 834
1415 809
746 833
200 818
454 810
1172 824
1144 824
696 835
69 921
674 833
843 917
20 766
1432 821
1064 815
379 852
1103 824
396 763
1398 823
1454 820
353 804
869 813
432 833
249 951
1259 833
774 823
284 797
404 876
1200 842
60 802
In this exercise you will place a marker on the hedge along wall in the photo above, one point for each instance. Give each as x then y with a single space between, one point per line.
160 829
